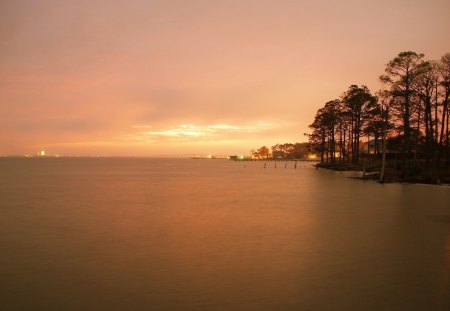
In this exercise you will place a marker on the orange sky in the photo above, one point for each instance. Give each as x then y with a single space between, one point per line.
172 77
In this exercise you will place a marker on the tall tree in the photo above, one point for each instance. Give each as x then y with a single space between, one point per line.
400 74
325 129
444 71
424 86
357 101
373 127
384 102
331 119
318 136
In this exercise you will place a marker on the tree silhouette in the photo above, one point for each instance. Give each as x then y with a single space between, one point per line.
400 74
359 103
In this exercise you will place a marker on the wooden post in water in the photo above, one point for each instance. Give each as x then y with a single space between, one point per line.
285 166
265 164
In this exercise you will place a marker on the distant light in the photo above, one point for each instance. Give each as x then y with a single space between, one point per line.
241 157
42 153
312 156
210 156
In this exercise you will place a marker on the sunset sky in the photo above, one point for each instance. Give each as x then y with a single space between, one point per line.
176 77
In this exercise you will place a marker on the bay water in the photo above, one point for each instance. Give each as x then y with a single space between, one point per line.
183 234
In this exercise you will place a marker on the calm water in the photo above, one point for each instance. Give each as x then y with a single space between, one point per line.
148 234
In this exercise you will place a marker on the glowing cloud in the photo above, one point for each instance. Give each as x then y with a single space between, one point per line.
192 132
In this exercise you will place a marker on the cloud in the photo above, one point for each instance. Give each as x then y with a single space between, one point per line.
196 133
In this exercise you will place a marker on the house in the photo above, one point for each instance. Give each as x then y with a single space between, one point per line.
278 154
372 146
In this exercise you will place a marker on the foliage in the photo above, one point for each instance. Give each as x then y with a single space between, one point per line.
287 151
412 110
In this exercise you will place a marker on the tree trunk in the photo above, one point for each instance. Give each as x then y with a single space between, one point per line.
407 129
428 131
418 129
443 122
436 125
447 145
322 149
376 138
405 139
349 142
383 159
357 135
340 143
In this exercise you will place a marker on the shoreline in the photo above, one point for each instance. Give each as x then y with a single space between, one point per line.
427 177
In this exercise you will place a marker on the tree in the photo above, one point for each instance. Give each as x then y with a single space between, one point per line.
318 136
264 152
400 74
410 114
300 150
324 130
357 101
384 102
424 86
330 119
444 73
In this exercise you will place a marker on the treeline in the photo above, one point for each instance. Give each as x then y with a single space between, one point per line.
410 112
286 151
